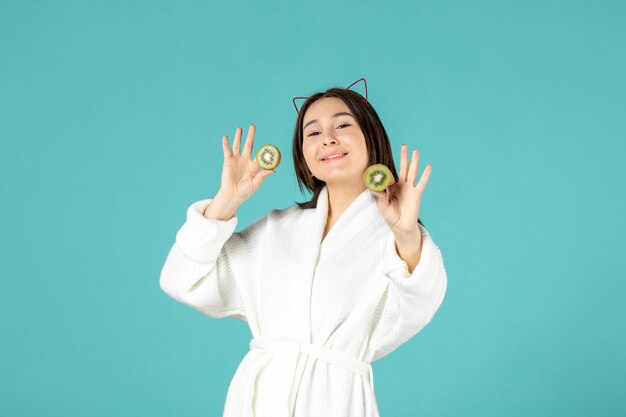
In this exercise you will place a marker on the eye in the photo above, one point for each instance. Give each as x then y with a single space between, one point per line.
343 124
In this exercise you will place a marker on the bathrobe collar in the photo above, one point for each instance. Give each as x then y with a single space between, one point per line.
361 216
356 225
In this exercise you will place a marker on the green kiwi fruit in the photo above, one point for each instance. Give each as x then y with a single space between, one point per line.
268 156
377 177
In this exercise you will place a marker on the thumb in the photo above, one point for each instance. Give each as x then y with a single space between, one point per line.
382 198
379 194
259 177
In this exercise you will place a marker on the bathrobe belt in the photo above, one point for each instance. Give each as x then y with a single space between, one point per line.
286 351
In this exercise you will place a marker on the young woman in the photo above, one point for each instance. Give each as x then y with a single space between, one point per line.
327 286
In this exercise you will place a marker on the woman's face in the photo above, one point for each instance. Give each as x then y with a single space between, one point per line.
325 133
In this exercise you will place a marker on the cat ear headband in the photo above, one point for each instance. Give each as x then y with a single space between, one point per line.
347 88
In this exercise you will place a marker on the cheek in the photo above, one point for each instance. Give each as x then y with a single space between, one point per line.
309 155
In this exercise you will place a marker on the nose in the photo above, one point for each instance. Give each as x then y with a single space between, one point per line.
330 140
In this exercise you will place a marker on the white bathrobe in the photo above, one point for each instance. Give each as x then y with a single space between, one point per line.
319 313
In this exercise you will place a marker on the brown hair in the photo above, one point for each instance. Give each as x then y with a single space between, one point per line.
376 140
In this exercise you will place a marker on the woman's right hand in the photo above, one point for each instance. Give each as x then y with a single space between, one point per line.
240 175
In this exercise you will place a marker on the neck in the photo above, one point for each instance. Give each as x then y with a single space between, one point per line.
340 195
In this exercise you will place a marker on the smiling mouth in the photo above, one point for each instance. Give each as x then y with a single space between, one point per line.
335 157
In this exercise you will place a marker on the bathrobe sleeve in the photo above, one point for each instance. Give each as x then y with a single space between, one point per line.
412 299
209 264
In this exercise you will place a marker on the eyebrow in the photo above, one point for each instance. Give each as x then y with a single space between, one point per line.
341 113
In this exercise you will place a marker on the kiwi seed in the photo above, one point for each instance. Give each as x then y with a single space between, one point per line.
268 156
377 177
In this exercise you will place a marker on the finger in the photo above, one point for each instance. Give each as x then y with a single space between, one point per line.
380 194
403 163
237 141
247 147
413 169
390 190
382 199
227 152
424 179
257 180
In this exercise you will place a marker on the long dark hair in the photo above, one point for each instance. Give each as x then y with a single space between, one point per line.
376 140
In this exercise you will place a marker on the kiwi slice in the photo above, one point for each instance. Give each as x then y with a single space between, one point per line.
268 156
377 177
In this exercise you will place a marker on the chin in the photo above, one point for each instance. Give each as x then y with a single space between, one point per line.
348 179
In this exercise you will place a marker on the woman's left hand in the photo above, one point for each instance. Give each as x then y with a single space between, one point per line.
399 204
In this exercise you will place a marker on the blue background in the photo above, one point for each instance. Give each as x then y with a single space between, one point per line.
111 118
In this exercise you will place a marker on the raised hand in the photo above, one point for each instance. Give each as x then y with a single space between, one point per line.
240 174
240 177
399 204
